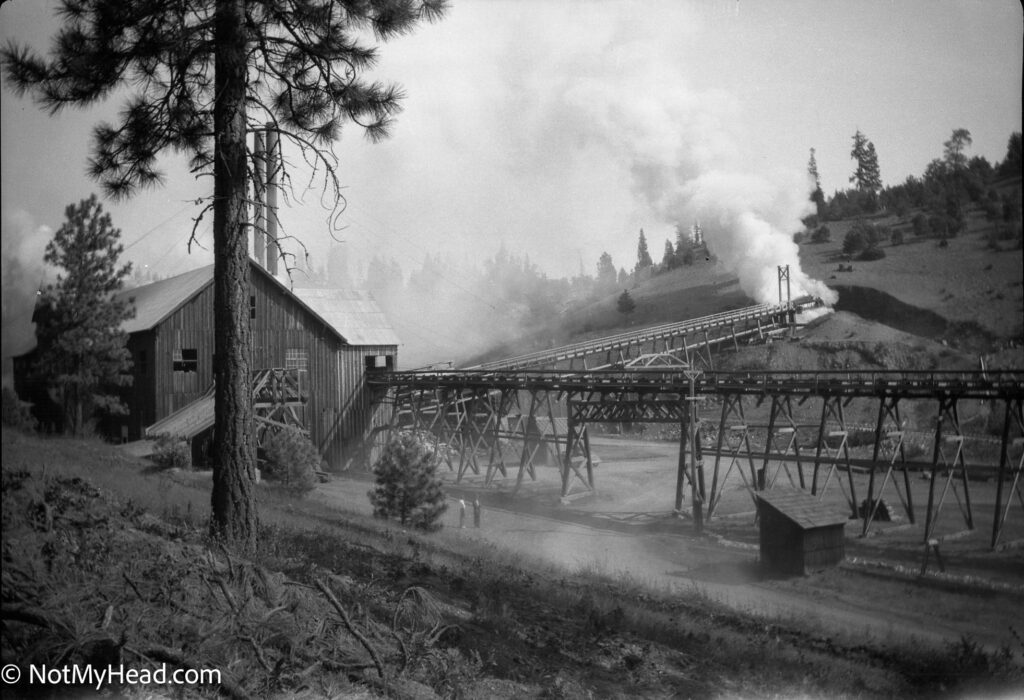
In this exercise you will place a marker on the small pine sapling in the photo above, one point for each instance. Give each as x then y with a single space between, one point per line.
407 485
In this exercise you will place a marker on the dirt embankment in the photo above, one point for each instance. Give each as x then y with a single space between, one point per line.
876 305
335 605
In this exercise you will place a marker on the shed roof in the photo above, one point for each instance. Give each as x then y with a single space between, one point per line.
353 313
802 508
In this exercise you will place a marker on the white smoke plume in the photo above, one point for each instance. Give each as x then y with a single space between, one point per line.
682 149
562 129
24 272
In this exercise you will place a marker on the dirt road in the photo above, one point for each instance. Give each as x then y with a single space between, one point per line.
628 530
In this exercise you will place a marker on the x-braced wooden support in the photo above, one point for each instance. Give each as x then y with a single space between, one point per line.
474 432
781 407
888 436
535 433
832 409
577 442
952 467
1009 472
736 438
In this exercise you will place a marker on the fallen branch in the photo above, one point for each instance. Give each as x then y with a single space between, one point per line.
30 616
172 656
349 626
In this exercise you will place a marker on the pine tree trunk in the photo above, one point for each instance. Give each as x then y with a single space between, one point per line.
233 500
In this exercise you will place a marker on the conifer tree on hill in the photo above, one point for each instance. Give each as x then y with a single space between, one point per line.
81 347
643 255
625 303
203 74
866 177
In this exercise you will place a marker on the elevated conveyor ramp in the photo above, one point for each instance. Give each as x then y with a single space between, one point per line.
188 421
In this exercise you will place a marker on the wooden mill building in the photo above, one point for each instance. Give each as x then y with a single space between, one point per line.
326 339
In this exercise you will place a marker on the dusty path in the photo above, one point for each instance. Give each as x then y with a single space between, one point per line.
629 531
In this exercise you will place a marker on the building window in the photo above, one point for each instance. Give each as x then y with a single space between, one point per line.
296 358
252 306
186 360
142 364
378 363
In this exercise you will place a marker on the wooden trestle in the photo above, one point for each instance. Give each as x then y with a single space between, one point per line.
485 421
689 342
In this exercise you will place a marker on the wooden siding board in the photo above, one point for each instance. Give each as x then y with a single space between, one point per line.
788 545
337 391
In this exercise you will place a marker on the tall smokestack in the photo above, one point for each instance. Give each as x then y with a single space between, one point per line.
273 169
259 230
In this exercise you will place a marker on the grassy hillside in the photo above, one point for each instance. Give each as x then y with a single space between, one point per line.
967 293
970 285
705 287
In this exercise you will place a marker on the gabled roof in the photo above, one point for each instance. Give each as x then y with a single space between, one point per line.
156 301
805 510
354 313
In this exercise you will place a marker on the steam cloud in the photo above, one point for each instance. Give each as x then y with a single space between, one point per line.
681 148
23 272
561 132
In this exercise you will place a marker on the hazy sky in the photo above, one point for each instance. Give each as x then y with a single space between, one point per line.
561 127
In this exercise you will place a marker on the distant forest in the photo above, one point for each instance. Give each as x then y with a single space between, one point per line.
938 200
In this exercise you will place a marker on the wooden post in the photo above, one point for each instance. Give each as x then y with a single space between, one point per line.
681 467
1004 457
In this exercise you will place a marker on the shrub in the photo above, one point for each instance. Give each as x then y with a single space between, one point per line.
17 413
407 485
291 459
821 235
872 253
920 223
625 304
897 237
854 241
172 452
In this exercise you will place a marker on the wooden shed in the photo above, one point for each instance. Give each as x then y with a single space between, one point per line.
323 341
799 533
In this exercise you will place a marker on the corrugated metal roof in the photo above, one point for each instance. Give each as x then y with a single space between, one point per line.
353 313
802 508
156 301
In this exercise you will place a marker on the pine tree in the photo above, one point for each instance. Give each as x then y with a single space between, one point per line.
605 272
205 73
643 256
866 177
1011 164
954 150
82 354
669 261
407 486
817 196
625 304
812 170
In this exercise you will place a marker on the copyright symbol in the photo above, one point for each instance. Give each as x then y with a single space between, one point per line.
10 674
